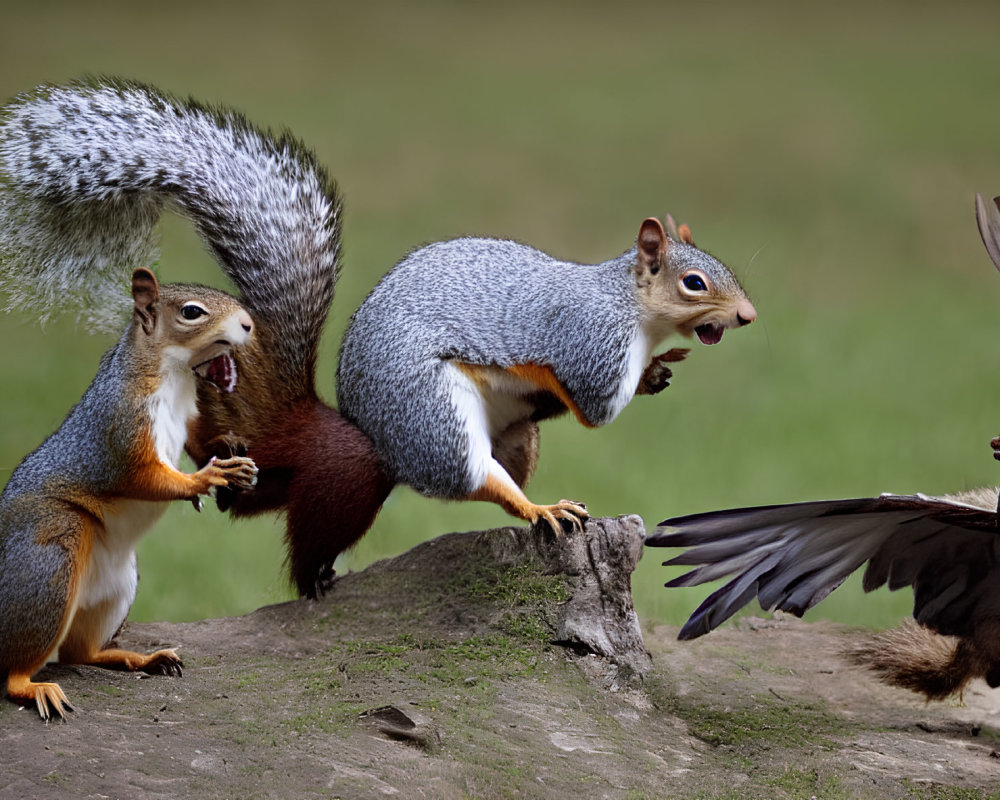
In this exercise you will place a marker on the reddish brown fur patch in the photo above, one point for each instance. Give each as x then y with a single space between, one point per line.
82 640
151 479
913 657
516 450
331 481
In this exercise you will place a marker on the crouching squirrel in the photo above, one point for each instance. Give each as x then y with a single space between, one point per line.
73 510
463 347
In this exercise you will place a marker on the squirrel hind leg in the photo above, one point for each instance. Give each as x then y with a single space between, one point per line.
516 450
85 644
500 488
329 510
48 546
49 698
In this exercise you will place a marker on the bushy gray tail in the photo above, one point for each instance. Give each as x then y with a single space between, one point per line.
86 170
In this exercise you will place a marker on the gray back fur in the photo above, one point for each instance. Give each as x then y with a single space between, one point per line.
92 434
36 580
86 170
487 302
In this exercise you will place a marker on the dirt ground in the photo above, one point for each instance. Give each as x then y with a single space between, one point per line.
438 675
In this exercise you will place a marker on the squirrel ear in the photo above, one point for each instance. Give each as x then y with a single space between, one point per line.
652 246
682 233
145 293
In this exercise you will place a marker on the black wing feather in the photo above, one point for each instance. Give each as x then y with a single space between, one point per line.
791 557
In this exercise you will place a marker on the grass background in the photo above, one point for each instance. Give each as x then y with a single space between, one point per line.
828 153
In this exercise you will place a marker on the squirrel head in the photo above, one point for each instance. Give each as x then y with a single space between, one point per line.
185 326
682 289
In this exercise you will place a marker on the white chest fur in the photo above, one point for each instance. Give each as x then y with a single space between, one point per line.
171 407
639 353
111 577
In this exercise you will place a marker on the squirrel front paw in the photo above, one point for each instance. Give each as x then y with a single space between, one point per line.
238 472
656 377
225 446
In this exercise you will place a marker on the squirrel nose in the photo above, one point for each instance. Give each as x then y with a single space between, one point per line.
746 314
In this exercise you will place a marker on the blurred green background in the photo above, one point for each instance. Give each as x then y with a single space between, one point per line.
829 155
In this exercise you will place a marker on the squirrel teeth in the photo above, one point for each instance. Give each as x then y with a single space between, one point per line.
219 371
709 333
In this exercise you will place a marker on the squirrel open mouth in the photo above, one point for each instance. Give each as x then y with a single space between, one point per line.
219 371
710 333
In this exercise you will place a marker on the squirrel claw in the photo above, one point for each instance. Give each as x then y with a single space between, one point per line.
563 513
325 578
51 694
164 662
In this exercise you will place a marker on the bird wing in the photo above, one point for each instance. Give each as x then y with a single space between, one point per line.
792 556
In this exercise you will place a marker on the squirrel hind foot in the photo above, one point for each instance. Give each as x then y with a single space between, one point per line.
164 662
500 489
566 516
323 583
49 698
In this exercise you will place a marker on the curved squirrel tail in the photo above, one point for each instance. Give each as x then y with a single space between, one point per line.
914 657
87 169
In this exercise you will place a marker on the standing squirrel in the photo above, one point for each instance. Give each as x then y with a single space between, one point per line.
88 169
461 349
75 508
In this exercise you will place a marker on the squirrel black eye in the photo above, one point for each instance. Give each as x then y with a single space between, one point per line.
192 311
694 283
